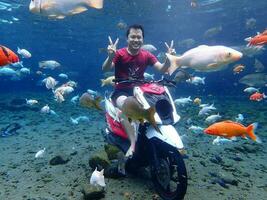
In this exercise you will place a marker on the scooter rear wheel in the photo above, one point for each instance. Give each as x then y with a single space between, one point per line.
170 176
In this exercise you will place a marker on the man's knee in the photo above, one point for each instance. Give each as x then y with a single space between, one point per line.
120 101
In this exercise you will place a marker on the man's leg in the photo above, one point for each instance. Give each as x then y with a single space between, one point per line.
129 129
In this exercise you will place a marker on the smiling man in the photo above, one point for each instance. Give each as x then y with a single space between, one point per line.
131 62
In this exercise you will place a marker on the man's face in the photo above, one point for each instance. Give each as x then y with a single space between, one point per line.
135 39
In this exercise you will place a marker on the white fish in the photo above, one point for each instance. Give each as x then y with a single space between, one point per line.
31 102
251 90
40 153
196 129
97 178
52 112
74 121
25 70
149 76
213 118
49 64
62 8
74 99
239 118
65 76
183 101
205 110
221 140
196 80
24 53
6 71
205 58
149 47
92 92
45 109
50 82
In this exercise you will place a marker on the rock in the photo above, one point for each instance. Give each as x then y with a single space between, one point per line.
91 192
99 160
58 160
112 151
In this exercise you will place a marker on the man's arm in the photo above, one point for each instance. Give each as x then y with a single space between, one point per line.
162 67
108 64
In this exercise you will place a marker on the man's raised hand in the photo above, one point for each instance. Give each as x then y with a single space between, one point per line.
112 47
170 49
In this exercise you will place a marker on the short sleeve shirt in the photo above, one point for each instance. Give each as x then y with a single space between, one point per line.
131 66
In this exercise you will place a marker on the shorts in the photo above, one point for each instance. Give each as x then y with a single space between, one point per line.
121 92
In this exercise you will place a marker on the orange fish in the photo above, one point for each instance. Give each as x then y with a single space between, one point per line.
259 39
230 129
238 68
257 96
7 56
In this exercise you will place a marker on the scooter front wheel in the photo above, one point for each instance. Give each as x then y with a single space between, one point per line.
170 176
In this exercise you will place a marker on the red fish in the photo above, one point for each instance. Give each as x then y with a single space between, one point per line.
7 56
259 39
257 96
230 129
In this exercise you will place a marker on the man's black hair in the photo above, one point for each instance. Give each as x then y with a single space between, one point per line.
135 26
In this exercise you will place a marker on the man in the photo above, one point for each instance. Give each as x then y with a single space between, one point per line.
131 62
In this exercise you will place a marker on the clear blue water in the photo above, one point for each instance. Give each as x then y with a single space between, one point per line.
75 41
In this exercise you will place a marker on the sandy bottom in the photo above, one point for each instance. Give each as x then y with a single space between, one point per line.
22 176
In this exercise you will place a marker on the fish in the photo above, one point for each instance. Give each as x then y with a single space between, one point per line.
108 81
239 118
206 109
212 32
149 47
259 67
50 82
196 129
7 56
65 76
97 178
220 140
24 53
181 76
89 101
31 102
134 111
45 109
59 9
254 80
40 153
182 101
149 76
251 90
257 96
197 101
229 129
251 23
187 43
259 39
213 118
7 71
74 99
204 58
49 64
238 68
25 70
196 80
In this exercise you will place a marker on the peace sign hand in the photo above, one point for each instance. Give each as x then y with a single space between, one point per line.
112 47
170 49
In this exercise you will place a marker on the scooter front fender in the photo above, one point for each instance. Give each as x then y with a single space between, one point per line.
168 134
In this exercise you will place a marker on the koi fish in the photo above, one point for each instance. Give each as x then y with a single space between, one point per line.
259 39
7 56
229 129
257 96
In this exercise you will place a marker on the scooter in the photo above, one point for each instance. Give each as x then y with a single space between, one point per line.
162 152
